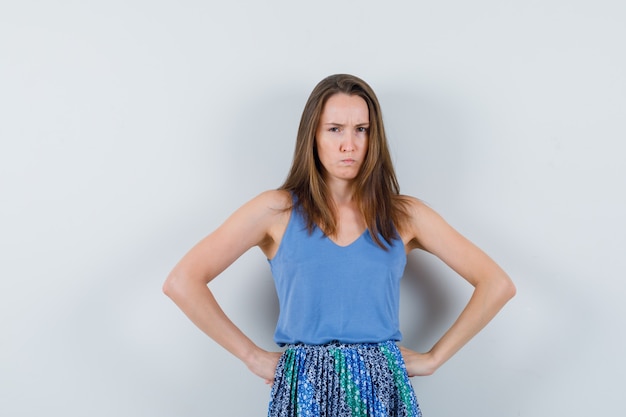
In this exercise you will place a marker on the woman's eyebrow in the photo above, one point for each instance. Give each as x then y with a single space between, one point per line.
341 124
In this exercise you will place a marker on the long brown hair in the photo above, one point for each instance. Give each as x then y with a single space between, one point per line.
376 188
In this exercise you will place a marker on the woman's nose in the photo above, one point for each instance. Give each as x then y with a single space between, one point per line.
347 145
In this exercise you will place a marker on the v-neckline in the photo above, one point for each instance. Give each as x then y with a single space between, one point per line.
349 244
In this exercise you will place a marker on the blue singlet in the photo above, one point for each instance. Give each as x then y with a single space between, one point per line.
328 292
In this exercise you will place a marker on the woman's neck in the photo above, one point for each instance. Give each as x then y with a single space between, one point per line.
341 192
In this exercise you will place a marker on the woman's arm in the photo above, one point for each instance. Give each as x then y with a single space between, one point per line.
254 224
492 286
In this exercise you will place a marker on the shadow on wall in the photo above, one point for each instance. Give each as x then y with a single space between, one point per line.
260 307
430 300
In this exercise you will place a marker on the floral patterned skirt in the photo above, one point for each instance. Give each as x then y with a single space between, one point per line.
342 380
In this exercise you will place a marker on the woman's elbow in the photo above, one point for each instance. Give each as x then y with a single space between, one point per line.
172 285
507 289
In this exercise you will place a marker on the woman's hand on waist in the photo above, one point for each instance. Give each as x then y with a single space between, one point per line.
418 364
263 364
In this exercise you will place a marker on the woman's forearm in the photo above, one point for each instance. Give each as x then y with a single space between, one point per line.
196 300
488 298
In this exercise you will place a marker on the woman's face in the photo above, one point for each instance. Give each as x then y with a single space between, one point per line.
342 135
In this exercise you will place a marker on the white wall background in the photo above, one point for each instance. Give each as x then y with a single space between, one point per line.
131 129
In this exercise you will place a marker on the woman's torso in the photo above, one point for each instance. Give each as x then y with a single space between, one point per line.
329 291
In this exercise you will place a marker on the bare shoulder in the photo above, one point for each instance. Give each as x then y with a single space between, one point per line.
274 207
264 210
421 224
275 200
413 204
416 211
269 207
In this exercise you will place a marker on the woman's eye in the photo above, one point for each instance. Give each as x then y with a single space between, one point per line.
361 129
333 129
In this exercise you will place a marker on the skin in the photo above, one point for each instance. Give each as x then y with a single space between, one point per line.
342 140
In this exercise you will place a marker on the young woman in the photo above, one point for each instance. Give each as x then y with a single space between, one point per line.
336 234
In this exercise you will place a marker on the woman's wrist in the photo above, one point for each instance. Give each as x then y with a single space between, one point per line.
251 354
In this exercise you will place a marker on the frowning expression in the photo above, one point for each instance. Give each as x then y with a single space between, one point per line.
342 136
